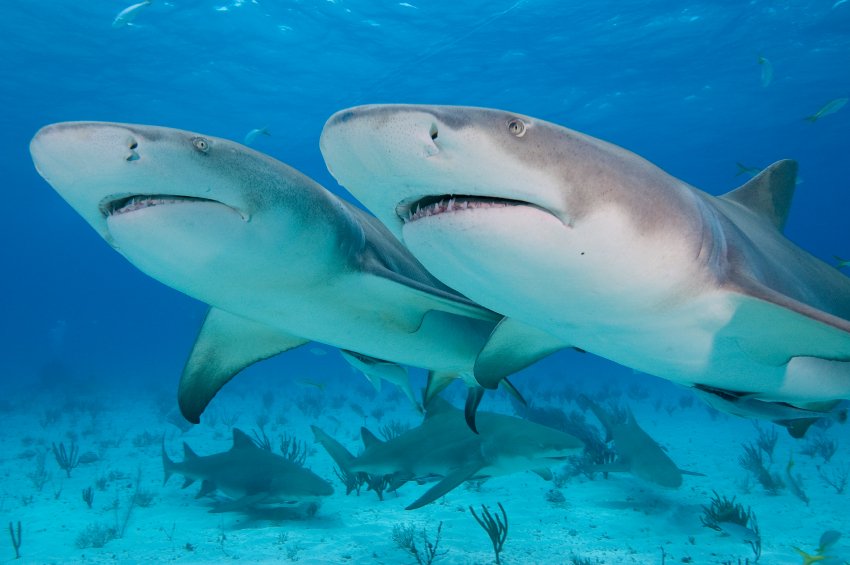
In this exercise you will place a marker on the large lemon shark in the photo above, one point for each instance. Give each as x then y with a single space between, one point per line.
281 260
606 252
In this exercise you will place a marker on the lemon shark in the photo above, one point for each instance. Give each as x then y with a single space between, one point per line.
281 260
604 251
251 476
637 453
443 448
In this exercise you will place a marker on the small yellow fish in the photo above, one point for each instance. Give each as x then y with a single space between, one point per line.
830 107
766 71
129 13
841 263
809 559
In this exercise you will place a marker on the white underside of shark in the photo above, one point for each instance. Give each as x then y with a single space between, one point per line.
604 251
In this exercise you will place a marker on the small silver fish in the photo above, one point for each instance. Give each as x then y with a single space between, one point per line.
766 71
830 107
129 13
254 134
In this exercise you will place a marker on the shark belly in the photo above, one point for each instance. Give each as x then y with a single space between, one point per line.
327 302
646 305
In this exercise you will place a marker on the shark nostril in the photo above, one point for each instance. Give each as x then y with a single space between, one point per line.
133 156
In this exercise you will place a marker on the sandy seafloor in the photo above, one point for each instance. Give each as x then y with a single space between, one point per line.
618 520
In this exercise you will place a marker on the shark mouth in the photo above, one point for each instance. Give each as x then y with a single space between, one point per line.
448 203
128 204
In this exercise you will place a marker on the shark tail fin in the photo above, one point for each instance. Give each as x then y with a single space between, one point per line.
168 466
742 169
811 119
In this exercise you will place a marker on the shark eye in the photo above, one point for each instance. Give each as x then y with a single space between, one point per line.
516 127
133 144
201 144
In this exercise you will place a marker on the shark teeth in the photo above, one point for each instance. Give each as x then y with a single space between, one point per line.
141 201
431 207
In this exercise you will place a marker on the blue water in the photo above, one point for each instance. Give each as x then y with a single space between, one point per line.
677 82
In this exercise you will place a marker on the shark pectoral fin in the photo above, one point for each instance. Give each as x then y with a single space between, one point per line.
207 487
240 503
449 482
772 328
692 473
543 473
512 346
187 482
362 363
425 297
769 193
225 345
397 480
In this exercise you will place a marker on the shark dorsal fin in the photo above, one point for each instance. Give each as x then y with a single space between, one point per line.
241 440
188 453
207 487
369 439
438 405
769 193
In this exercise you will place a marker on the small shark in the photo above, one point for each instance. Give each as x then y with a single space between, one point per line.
604 251
281 260
637 453
444 447
251 476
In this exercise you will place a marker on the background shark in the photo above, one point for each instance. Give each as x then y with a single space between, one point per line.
281 260
444 447
251 476
604 251
637 453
